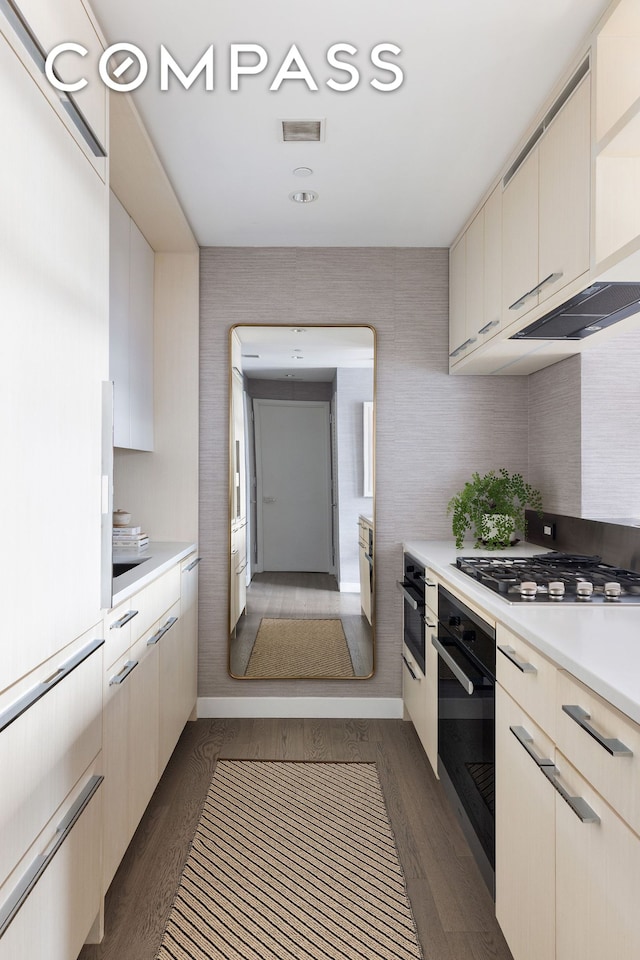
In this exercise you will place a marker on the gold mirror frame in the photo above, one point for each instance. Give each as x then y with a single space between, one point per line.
241 508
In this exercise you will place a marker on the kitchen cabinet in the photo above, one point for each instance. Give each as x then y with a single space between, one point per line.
617 138
420 689
149 694
131 274
475 279
567 812
238 592
365 540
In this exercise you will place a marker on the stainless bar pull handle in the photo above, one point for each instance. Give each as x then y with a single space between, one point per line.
525 739
18 896
194 563
459 674
159 634
129 615
428 583
428 623
129 666
488 326
579 806
243 567
463 346
531 293
412 603
32 696
522 665
407 665
580 716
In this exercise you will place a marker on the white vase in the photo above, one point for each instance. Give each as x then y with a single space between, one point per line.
492 523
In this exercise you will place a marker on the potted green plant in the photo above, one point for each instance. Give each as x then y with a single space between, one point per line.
493 507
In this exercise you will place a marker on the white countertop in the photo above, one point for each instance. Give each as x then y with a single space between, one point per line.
366 519
157 558
599 645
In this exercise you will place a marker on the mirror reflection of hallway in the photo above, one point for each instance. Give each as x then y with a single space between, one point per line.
301 595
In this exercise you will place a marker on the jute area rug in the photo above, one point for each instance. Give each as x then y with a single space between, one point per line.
292 861
300 648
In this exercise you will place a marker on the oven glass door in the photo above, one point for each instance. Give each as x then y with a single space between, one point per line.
414 623
466 734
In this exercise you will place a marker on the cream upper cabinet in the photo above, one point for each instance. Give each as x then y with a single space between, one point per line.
131 273
457 296
474 277
565 194
492 265
520 240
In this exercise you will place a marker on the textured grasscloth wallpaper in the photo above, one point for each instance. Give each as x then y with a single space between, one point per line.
433 430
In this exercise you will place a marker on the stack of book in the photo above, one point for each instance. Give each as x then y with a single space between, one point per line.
129 539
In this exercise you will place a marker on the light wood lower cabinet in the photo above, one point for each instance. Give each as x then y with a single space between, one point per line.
149 694
525 836
567 859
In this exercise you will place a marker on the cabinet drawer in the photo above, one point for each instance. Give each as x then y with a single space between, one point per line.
154 600
119 624
602 743
528 676
431 594
49 746
56 915
414 694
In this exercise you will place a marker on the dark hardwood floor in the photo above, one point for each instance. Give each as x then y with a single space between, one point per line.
452 907
306 596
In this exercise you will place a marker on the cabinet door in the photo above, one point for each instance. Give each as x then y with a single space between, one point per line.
598 877
143 729
117 827
457 295
492 264
430 742
474 277
172 678
119 354
365 583
414 695
141 341
565 193
520 240
189 613
525 836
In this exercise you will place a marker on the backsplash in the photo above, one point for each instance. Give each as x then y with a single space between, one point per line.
616 542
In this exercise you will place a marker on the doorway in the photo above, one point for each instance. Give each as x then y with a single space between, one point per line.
293 486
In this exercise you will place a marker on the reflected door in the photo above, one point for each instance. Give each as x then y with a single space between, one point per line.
293 476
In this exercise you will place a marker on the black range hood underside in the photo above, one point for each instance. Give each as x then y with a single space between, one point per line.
597 307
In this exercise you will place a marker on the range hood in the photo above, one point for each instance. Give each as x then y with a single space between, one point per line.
597 307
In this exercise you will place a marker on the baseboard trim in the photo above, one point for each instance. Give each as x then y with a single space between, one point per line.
362 708
349 586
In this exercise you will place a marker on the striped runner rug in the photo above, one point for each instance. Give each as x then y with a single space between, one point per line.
292 861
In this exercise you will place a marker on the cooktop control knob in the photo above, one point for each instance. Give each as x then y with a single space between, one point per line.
612 590
584 590
528 589
556 590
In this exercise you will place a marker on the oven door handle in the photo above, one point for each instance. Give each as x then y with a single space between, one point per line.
458 673
410 600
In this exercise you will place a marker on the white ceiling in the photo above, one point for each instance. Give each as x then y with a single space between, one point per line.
396 169
303 353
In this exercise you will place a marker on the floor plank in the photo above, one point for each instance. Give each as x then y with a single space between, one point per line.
453 911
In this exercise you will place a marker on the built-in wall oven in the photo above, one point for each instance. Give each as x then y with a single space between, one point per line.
466 726
412 587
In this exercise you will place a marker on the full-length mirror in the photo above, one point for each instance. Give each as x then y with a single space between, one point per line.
301 497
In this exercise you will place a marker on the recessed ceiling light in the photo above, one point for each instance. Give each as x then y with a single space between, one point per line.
303 196
302 171
298 330
289 375
296 356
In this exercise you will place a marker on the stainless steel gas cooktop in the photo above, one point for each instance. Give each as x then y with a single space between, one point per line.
554 578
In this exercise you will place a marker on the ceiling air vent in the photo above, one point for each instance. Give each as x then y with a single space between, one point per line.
302 131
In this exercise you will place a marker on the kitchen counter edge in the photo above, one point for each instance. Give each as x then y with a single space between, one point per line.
158 558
